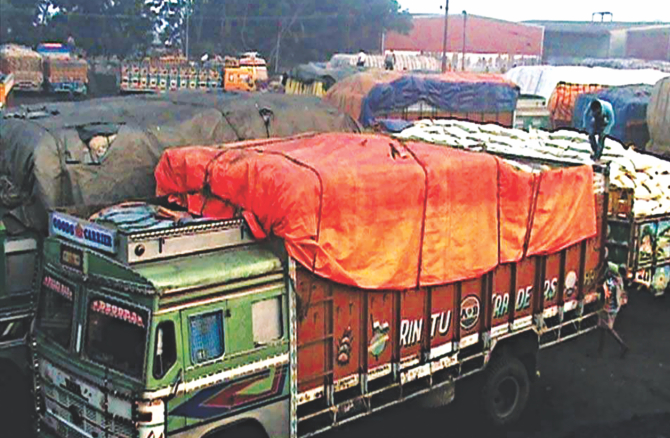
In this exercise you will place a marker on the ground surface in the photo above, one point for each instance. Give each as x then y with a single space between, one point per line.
579 394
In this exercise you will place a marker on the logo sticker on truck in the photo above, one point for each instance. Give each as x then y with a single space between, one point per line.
86 233
469 312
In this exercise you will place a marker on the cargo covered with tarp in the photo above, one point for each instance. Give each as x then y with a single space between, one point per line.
638 236
316 77
543 80
630 112
561 104
24 64
658 118
387 94
403 61
373 212
104 151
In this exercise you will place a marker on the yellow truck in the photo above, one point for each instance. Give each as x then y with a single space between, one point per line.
6 85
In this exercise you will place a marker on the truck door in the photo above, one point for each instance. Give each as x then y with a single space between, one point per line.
205 341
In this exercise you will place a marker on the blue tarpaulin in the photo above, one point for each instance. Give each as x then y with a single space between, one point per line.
376 94
630 111
461 96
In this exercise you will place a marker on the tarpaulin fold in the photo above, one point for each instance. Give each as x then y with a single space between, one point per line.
104 151
369 211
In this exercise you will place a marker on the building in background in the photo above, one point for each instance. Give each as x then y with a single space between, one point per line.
490 45
568 42
651 43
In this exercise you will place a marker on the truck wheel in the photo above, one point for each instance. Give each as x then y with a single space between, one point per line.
245 430
506 390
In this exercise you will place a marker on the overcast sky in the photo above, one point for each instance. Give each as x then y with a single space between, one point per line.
520 10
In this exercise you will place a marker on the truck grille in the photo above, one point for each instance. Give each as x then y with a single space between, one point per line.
64 407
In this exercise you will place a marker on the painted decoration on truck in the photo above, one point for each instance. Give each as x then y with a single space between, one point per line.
646 243
469 312
379 338
344 347
411 331
234 394
570 283
663 241
661 278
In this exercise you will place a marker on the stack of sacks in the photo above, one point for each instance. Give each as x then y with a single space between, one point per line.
647 175
25 64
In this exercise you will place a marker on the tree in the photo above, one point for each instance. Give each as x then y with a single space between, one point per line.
18 21
297 30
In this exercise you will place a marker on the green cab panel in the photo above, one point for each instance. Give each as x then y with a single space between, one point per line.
203 270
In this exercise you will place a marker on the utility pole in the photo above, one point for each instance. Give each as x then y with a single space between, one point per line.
188 19
444 41
465 23
188 16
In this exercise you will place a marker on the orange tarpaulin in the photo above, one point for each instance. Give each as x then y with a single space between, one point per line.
562 101
369 211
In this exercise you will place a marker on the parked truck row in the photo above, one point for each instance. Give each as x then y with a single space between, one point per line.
52 67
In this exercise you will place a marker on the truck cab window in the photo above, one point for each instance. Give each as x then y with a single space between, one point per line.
267 320
56 310
165 354
206 335
14 329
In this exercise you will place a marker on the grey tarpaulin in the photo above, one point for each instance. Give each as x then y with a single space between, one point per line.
104 151
658 118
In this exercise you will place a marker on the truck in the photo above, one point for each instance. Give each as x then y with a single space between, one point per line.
24 219
532 112
162 74
197 329
6 85
639 244
24 64
64 71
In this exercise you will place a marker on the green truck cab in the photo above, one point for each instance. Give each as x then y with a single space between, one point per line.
137 338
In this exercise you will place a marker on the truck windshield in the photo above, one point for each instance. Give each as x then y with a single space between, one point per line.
56 310
116 335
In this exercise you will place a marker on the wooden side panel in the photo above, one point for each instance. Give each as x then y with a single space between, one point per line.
380 324
412 311
572 273
501 302
471 308
443 315
347 330
525 288
314 331
551 280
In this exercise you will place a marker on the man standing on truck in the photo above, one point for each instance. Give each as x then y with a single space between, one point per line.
389 60
614 295
361 59
599 120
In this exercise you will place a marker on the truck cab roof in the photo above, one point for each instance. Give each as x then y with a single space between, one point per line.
161 251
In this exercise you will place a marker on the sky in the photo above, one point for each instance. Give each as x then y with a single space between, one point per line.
521 10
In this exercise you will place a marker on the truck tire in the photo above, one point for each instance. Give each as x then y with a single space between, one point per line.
505 391
245 430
